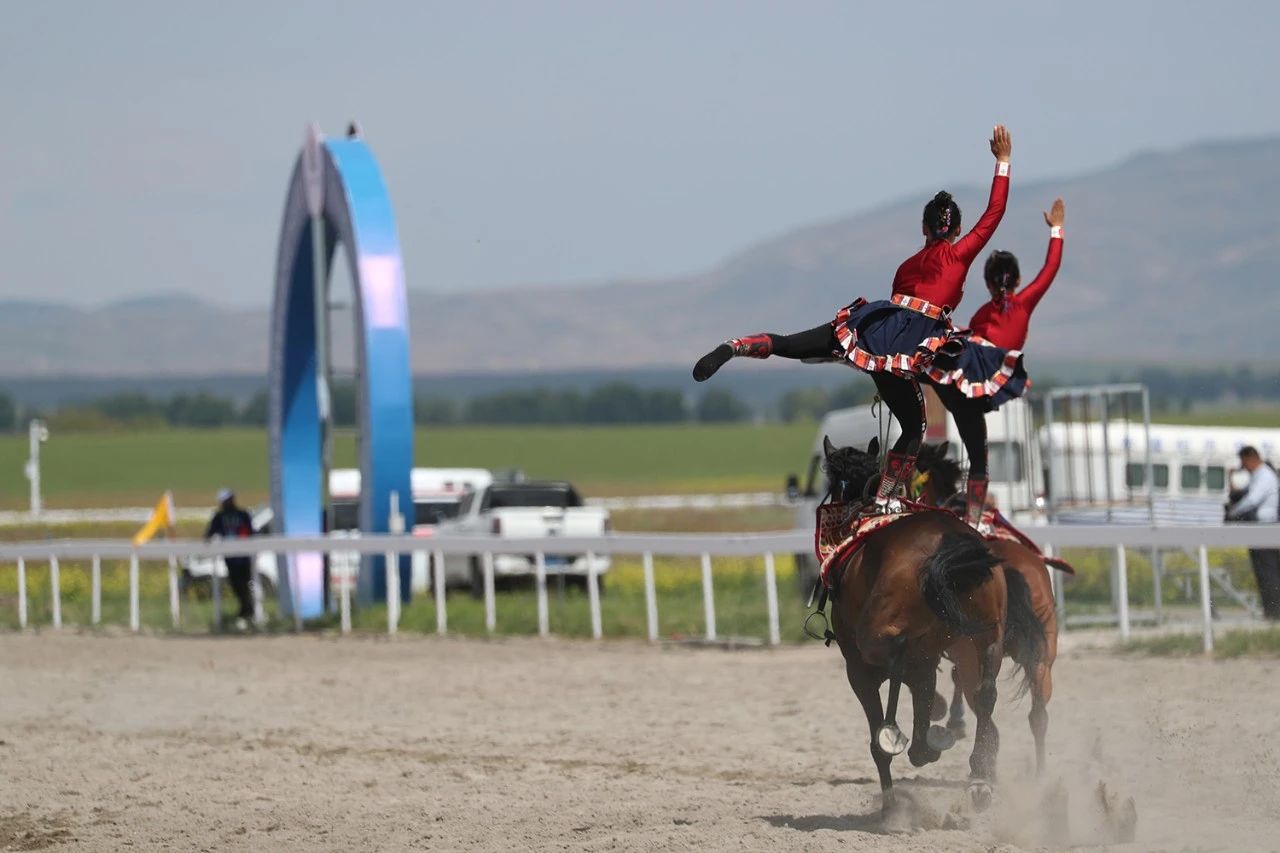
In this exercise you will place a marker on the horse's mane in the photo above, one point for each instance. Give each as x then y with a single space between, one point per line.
944 472
856 469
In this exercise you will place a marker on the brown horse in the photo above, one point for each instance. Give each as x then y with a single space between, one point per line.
916 587
1031 645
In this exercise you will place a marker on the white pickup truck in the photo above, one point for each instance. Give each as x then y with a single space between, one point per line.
525 510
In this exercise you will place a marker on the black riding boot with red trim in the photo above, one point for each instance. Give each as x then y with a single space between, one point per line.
898 469
975 501
752 346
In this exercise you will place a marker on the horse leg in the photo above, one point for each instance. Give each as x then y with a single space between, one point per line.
865 682
1042 683
978 679
955 721
923 682
890 736
1041 690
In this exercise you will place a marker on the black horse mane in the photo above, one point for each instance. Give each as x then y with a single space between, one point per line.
851 473
944 472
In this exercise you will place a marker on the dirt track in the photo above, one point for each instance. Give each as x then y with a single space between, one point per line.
293 743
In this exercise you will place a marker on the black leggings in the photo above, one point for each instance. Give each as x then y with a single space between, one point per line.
818 342
900 395
971 420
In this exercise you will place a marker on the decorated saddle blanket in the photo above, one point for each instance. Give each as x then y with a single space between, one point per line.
842 529
1000 529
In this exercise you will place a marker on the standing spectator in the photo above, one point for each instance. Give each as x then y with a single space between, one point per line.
1261 502
232 522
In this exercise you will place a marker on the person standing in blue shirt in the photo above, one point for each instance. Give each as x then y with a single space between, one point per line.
1261 502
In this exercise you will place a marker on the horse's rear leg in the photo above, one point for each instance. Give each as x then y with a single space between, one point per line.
922 680
978 680
955 720
1041 690
1042 686
866 682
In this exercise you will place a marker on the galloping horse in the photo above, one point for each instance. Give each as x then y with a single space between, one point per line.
917 586
1033 646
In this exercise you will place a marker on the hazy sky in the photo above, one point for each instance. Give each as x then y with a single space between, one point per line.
147 144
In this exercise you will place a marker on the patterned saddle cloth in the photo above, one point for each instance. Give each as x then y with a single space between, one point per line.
997 528
843 528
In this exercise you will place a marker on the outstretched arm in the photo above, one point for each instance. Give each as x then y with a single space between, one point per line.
1261 489
968 246
1032 293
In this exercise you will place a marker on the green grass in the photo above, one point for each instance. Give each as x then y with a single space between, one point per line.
132 467
741 609
75 585
1091 583
1264 642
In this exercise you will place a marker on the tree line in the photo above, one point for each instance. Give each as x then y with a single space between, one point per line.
610 403
613 403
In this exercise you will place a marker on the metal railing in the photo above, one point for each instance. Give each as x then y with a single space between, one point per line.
706 547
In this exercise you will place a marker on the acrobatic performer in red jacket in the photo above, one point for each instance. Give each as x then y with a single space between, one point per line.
1001 323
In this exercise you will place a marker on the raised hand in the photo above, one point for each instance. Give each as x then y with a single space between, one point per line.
1001 143
1056 215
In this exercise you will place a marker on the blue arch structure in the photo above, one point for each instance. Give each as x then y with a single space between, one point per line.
338 187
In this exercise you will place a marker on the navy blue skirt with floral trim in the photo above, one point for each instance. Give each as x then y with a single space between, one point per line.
887 337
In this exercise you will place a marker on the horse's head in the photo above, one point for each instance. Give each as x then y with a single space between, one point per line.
937 477
852 474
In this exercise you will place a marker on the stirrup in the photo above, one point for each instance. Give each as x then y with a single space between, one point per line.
885 506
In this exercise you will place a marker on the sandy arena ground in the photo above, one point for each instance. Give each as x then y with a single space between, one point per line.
418 743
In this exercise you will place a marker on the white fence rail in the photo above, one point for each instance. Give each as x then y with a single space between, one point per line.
706 547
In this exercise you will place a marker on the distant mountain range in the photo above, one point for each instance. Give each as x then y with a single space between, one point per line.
1170 257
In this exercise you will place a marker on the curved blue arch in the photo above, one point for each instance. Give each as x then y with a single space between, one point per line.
338 187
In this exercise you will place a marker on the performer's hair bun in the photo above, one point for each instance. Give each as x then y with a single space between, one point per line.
941 215
1001 270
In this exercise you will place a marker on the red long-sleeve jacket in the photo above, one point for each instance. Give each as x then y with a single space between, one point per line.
1005 323
937 272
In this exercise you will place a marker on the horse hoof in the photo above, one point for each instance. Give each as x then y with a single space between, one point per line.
890 740
920 755
957 729
941 739
980 795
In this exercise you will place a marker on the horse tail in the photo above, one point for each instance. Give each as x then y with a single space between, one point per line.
960 564
1024 638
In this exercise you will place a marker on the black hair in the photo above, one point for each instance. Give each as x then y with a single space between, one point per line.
1250 452
1002 270
942 216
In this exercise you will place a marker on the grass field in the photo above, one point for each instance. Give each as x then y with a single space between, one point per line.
1268 417
130 468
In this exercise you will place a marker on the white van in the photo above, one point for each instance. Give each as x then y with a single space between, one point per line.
1013 455
1013 458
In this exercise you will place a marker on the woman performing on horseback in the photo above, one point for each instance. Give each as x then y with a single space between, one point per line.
909 335
995 336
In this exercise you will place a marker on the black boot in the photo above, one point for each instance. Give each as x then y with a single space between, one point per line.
752 346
